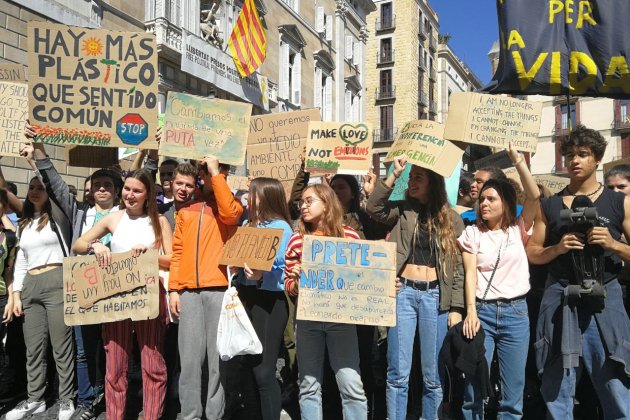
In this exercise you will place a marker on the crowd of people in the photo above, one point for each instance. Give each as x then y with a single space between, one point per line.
522 288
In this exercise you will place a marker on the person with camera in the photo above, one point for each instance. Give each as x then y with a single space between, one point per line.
587 329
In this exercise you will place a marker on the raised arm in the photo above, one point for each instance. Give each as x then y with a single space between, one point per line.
378 205
532 193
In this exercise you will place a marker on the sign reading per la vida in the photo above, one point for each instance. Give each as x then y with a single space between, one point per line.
91 86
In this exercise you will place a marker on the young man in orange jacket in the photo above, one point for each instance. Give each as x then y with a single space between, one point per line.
196 286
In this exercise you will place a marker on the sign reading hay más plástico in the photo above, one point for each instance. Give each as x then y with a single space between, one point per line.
348 281
138 304
91 86
195 127
338 147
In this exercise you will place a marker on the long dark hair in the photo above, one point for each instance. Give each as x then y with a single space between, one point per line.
439 223
506 191
28 211
150 205
355 203
267 201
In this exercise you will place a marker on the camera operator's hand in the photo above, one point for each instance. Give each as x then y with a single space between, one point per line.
600 236
570 241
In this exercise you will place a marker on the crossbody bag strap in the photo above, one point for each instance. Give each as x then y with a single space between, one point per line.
55 229
494 270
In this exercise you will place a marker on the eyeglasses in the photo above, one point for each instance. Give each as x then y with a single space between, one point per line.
308 202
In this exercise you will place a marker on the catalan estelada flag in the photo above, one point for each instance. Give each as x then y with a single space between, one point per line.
248 43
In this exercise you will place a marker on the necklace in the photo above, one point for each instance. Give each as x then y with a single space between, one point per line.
566 189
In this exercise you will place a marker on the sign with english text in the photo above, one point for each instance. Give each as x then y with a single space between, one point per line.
13 115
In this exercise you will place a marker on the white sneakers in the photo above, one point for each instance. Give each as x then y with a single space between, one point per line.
66 409
26 408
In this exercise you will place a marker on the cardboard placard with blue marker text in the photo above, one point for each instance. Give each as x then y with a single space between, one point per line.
127 289
347 281
195 127
338 147
422 143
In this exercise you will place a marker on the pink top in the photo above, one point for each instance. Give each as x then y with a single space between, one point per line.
512 276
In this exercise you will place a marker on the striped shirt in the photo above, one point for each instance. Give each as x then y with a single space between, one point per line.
293 256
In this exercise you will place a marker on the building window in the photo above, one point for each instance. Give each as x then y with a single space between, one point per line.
293 4
173 12
625 145
624 111
387 15
567 111
323 93
290 73
352 106
560 162
386 51
387 123
385 83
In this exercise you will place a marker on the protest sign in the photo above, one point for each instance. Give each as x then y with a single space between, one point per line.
92 87
608 166
338 147
563 47
139 304
493 121
11 72
347 281
13 114
124 274
422 143
91 157
195 127
276 143
553 183
500 160
236 182
255 246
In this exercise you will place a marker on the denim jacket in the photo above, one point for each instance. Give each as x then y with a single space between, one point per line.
403 215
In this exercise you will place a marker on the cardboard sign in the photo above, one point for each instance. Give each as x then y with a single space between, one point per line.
13 114
276 143
10 72
608 166
195 127
92 87
238 183
124 274
422 143
139 304
255 246
500 160
493 121
339 147
348 281
91 157
555 184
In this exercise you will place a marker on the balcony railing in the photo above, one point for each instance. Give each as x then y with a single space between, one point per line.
385 135
422 34
432 43
432 107
385 56
421 65
622 122
385 92
385 24
433 74
422 98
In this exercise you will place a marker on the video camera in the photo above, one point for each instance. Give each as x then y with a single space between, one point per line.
588 263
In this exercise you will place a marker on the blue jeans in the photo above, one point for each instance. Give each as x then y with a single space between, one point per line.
506 326
312 340
89 375
611 385
419 309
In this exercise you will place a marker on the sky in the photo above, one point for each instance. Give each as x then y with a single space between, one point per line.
473 27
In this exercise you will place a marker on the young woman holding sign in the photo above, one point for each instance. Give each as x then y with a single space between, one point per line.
321 214
137 227
497 280
430 281
262 292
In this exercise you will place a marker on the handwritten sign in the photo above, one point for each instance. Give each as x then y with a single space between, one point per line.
138 304
13 114
125 273
608 166
10 72
555 184
338 147
195 127
276 143
348 281
500 160
493 121
91 157
255 246
236 182
92 87
422 143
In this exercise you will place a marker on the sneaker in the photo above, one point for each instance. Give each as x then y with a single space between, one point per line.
83 413
26 408
66 409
